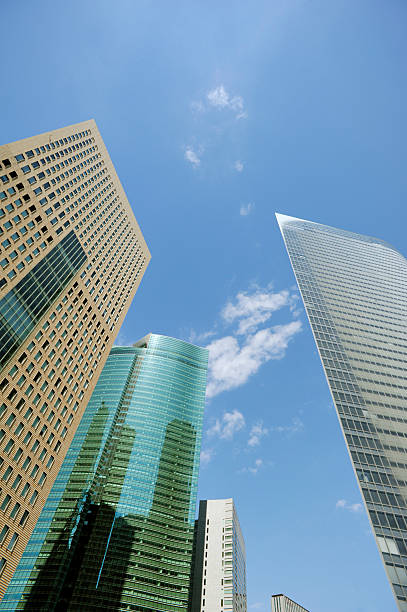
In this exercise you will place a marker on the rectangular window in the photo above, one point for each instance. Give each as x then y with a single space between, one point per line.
3 533
33 498
5 502
13 541
15 510
7 473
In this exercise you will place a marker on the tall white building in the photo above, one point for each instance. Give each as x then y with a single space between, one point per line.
282 603
354 289
220 559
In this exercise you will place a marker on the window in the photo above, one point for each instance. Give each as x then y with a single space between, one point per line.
9 446
42 478
25 490
15 510
33 498
16 482
5 503
7 473
34 471
24 518
3 533
13 541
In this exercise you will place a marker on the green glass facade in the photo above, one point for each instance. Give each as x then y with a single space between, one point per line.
354 289
117 529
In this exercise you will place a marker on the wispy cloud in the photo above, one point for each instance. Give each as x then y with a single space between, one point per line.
258 464
344 505
207 455
257 432
257 606
192 157
234 358
226 427
246 209
123 340
221 99
239 166
295 426
196 338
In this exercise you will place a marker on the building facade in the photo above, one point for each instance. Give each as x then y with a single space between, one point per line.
282 603
219 576
117 530
354 289
71 259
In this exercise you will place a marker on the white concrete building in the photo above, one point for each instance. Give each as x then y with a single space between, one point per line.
220 559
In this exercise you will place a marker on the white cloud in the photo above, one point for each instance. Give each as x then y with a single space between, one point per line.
234 358
219 98
253 469
207 455
342 503
246 210
231 365
253 309
239 165
257 606
226 427
257 432
192 157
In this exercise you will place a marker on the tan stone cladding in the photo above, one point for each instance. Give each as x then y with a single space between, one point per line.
71 259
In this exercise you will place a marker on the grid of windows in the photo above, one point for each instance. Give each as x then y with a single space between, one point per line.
72 257
134 465
24 306
355 292
219 576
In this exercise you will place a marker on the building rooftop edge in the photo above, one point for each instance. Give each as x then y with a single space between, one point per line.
86 122
285 219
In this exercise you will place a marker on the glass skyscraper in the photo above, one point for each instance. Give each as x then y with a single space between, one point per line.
354 289
117 529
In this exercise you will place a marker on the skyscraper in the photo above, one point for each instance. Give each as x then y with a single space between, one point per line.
282 603
354 289
72 257
219 575
117 530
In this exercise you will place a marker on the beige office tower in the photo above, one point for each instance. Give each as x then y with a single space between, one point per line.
71 258
219 575
282 603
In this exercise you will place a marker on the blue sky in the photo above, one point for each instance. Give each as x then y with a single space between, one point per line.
216 115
